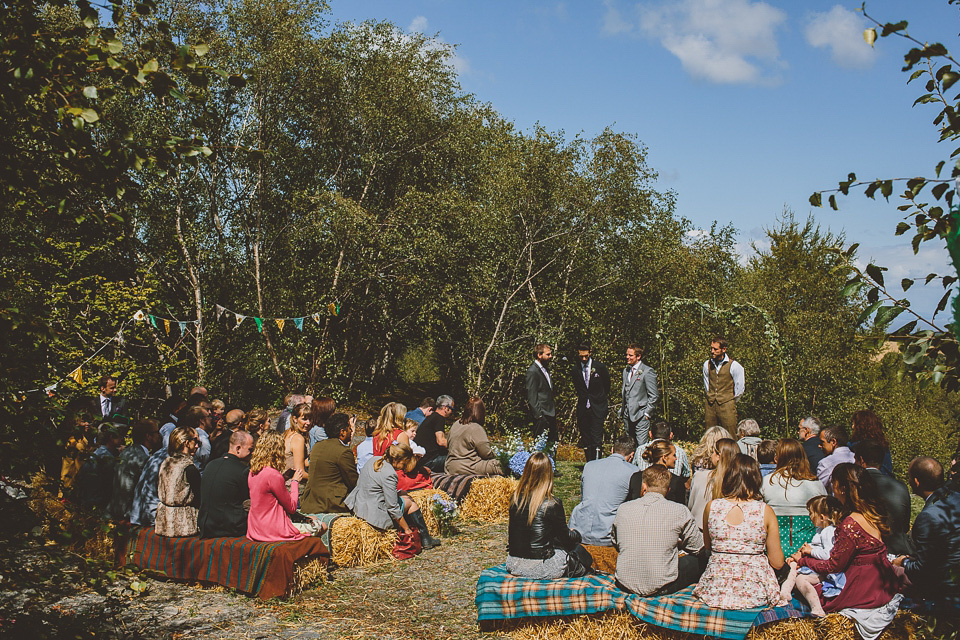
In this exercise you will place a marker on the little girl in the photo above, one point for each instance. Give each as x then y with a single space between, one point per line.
824 513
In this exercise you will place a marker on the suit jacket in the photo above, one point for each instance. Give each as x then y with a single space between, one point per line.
598 391
640 395
936 534
223 490
897 498
539 393
333 474
118 406
811 446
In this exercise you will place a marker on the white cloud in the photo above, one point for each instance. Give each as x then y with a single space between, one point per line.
420 24
613 21
722 41
841 30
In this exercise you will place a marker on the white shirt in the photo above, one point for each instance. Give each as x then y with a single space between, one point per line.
545 373
736 372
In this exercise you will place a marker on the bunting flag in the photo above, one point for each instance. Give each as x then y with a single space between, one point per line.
239 320
219 312
259 322
139 315
332 308
298 323
166 325
316 318
183 327
153 321
280 323
76 375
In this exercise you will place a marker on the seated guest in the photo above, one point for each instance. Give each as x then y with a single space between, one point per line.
604 487
391 428
706 481
833 441
178 486
232 421
169 414
146 439
469 450
662 431
934 567
894 495
270 500
333 469
364 450
419 414
649 532
419 478
94 481
321 409
665 453
741 534
809 431
748 434
143 510
296 456
432 435
224 490
540 545
766 456
193 401
867 426
703 453
375 498
788 490
859 553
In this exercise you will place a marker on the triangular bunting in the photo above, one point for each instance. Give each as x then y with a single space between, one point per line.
298 323
219 312
332 309
240 319
139 315
76 375
153 321
259 322
316 318
166 325
183 328
336 310
280 322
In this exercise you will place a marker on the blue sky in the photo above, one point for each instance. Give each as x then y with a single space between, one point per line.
746 107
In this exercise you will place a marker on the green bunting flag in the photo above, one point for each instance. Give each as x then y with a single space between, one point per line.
298 323
259 322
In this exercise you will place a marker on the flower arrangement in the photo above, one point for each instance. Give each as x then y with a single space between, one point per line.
445 511
515 453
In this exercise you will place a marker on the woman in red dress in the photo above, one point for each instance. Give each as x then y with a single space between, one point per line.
858 551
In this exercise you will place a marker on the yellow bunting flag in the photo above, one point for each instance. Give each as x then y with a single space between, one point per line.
166 325
280 322
332 309
76 375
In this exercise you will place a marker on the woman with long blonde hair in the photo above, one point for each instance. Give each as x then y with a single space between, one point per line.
391 427
296 456
702 456
540 545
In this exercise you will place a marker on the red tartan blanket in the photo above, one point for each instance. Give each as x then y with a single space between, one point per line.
261 568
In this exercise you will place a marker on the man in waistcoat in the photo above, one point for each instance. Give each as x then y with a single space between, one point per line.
723 384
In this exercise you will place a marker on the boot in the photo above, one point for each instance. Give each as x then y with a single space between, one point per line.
416 519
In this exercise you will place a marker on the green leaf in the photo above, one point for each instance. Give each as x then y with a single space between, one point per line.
876 273
949 79
89 115
866 313
906 283
150 66
902 228
816 200
114 46
887 314
892 27
833 202
939 189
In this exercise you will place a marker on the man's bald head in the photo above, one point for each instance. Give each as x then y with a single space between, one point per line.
241 444
926 474
234 418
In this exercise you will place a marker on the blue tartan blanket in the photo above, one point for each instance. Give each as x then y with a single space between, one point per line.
501 596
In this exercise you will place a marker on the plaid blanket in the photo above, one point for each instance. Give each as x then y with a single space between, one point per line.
456 487
261 568
501 596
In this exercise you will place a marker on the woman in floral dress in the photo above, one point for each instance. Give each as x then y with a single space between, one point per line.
742 534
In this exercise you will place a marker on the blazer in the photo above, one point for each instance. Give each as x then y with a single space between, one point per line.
333 474
224 489
598 391
539 393
375 497
936 534
896 497
604 487
639 395
118 406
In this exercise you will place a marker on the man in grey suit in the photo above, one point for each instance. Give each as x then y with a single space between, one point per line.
639 395
543 409
604 486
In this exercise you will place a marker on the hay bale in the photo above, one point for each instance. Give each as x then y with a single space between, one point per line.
489 499
792 629
354 543
424 500
308 574
570 453
604 558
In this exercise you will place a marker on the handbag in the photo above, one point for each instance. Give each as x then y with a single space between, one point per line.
407 545
575 566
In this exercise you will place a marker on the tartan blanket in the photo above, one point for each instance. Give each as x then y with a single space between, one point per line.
501 596
261 568
457 487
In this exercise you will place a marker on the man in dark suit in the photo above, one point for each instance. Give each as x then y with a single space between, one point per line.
543 409
333 469
809 431
108 404
934 567
591 380
639 396
894 495
224 490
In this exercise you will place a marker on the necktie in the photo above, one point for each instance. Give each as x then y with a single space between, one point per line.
106 407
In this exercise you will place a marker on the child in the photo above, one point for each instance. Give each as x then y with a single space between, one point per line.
364 450
766 452
419 478
824 512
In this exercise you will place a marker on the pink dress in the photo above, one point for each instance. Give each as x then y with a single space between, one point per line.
270 502
871 580
738 575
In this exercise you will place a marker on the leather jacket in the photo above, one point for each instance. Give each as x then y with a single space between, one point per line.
544 535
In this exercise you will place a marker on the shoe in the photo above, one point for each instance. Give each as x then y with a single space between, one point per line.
426 540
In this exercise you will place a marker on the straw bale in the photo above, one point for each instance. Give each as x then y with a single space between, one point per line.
570 452
489 499
354 543
424 500
306 575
